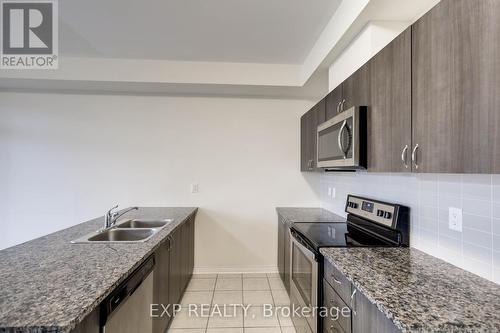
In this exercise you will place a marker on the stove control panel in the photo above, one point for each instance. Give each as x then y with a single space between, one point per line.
376 211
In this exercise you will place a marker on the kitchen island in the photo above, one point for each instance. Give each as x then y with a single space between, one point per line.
51 285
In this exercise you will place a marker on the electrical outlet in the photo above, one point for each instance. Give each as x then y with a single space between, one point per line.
455 218
195 188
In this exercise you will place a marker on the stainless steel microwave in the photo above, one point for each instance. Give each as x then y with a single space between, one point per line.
342 141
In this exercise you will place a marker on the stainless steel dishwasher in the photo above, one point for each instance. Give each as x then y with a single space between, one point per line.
127 308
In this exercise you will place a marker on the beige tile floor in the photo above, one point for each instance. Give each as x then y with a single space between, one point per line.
225 289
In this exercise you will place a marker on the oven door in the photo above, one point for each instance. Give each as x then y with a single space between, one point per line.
340 140
304 284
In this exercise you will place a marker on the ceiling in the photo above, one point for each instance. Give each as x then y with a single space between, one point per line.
255 31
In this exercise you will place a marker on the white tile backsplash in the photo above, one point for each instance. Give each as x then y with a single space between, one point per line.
429 196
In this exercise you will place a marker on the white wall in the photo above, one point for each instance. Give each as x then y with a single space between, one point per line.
67 158
373 38
429 196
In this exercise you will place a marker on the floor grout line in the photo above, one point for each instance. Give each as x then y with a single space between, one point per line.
243 328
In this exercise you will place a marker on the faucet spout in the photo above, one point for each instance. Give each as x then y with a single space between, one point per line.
116 216
111 217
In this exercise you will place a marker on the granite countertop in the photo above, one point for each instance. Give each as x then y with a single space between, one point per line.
303 214
51 285
418 292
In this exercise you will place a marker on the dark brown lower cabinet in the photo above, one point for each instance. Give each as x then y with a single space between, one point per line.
89 325
175 266
284 252
353 312
161 286
367 318
181 259
339 319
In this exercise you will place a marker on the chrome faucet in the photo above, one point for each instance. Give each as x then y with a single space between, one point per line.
111 217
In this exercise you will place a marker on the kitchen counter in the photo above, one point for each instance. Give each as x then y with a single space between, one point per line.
418 292
50 285
302 214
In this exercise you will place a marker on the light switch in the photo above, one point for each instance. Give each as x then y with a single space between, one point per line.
194 188
329 191
455 218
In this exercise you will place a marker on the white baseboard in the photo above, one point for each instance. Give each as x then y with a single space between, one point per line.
235 269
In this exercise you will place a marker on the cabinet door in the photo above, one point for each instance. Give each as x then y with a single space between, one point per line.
389 107
185 254
311 132
456 87
321 116
175 267
161 285
308 132
308 140
191 245
335 322
366 317
333 100
356 89
281 248
304 153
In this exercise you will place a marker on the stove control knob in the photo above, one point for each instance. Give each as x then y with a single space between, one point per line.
353 205
380 213
387 215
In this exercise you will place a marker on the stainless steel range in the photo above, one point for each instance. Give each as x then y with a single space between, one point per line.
370 223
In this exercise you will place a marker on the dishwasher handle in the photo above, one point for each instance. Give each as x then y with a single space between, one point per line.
125 290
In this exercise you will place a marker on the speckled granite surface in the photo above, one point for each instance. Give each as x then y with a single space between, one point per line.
301 214
419 292
50 285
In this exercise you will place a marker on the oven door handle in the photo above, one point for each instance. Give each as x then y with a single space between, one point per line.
307 252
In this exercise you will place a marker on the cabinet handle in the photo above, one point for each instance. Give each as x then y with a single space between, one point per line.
338 107
414 156
335 279
404 156
333 329
310 164
353 302
342 105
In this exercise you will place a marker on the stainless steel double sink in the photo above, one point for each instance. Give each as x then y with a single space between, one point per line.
131 231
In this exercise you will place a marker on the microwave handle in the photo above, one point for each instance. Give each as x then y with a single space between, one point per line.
340 138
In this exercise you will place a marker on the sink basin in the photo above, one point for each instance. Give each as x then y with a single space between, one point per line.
118 235
131 231
144 224
122 235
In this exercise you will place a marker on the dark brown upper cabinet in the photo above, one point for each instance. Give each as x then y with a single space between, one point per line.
389 106
433 95
308 136
356 89
333 103
456 88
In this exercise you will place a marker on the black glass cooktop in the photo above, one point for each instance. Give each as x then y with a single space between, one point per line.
319 235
